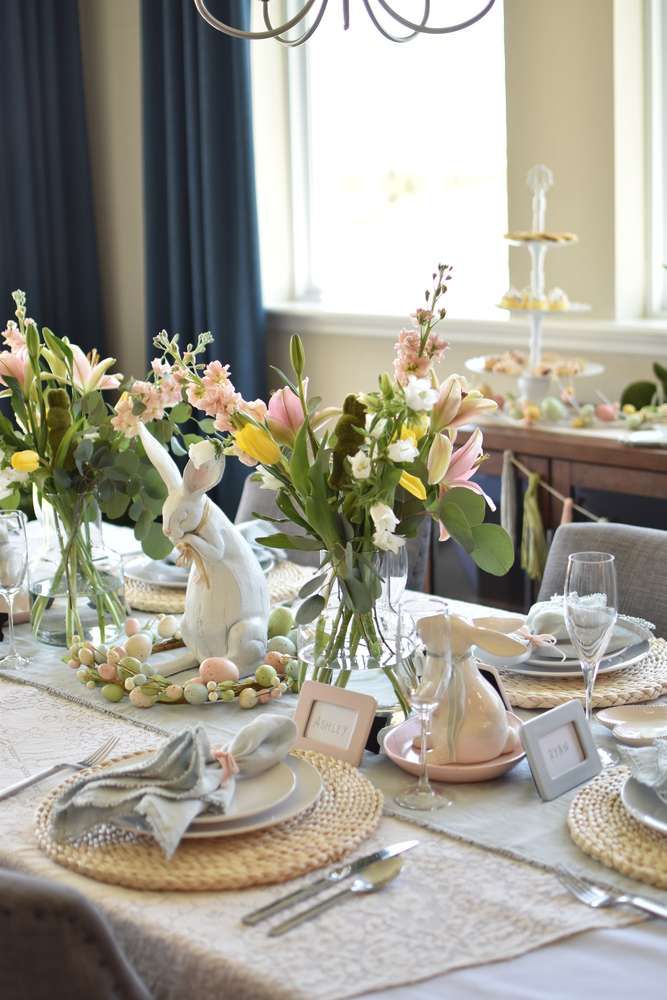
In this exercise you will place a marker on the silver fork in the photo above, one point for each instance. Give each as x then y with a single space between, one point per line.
593 895
96 757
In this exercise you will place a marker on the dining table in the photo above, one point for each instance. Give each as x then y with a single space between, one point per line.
478 910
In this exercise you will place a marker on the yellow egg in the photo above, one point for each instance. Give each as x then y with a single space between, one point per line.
139 646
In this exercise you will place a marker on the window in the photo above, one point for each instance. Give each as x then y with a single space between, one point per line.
656 74
398 163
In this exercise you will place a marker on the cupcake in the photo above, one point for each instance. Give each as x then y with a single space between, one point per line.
511 299
558 300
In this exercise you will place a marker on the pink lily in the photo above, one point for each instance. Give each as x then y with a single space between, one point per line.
90 373
463 465
16 364
472 405
447 404
285 415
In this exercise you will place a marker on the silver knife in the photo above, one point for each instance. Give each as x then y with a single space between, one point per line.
332 877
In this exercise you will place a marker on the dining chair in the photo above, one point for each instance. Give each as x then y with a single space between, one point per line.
256 500
641 565
57 946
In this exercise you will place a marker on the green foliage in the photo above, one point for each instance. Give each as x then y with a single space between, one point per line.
493 552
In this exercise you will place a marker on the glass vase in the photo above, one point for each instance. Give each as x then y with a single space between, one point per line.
359 650
76 581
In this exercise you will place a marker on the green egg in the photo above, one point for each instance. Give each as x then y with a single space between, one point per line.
266 676
281 644
281 621
112 692
196 694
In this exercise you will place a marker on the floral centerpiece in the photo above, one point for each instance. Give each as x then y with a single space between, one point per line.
358 481
63 447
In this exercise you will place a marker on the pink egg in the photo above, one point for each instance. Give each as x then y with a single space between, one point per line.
606 411
132 626
218 668
277 660
107 672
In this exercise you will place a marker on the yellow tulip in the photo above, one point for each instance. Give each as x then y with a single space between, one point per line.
259 444
25 461
413 485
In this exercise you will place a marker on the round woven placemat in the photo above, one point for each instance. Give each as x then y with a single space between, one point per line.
284 580
643 682
347 811
600 826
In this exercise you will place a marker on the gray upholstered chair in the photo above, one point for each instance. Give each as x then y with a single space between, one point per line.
641 565
57 946
254 499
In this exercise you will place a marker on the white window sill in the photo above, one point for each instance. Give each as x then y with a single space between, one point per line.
635 337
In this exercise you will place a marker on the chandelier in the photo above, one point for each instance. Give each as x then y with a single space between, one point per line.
413 28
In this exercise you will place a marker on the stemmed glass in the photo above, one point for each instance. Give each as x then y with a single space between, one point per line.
423 678
13 565
591 608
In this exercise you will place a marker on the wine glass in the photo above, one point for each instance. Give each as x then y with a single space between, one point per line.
591 608
423 678
13 566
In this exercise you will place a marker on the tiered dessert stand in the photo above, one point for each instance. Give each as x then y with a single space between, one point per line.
537 371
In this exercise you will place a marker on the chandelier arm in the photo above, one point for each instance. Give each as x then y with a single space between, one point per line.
435 31
396 38
294 42
226 29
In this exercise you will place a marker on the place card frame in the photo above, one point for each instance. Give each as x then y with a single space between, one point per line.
346 709
549 783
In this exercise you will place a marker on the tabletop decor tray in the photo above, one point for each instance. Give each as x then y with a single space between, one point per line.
346 813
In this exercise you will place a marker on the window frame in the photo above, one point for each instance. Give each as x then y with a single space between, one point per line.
655 64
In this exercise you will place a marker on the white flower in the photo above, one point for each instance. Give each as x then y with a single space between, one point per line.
267 481
361 465
387 541
8 477
420 394
383 517
379 427
403 451
201 453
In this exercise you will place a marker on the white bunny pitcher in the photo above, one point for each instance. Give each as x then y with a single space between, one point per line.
227 599
470 724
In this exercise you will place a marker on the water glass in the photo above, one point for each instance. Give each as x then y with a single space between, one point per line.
423 678
13 567
591 609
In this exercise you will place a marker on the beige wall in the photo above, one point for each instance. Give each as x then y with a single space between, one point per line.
110 42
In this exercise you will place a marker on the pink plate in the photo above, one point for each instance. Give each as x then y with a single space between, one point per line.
398 747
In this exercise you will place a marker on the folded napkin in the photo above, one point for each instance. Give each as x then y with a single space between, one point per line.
648 765
161 794
548 617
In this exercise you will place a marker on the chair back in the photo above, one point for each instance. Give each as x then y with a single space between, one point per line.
641 566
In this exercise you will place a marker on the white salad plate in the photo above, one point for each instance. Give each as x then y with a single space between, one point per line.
255 795
307 790
636 725
644 805
537 667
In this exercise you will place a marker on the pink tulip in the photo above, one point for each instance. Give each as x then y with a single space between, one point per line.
463 465
15 364
285 414
447 404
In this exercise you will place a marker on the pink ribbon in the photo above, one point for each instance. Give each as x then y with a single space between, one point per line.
227 762
546 639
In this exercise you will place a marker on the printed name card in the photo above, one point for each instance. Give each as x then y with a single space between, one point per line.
560 749
334 721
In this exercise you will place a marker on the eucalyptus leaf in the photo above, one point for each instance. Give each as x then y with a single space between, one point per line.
180 413
207 425
283 541
312 586
116 505
155 543
472 504
457 525
83 453
143 526
360 595
493 552
311 609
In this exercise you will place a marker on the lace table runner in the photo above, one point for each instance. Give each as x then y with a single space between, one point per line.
487 907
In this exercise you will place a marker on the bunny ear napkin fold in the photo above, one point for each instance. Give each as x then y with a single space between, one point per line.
161 794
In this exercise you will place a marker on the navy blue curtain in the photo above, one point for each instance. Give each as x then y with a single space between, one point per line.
202 262
47 231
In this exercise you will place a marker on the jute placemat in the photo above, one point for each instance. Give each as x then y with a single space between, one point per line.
643 682
347 811
284 580
600 826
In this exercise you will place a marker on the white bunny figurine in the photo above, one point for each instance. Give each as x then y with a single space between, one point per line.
227 599
470 724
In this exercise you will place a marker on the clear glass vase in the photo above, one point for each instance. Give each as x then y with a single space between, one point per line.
357 650
76 581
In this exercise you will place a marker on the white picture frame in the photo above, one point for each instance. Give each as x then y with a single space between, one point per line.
560 750
334 721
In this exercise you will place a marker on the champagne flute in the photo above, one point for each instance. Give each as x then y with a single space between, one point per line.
423 677
13 566
591 608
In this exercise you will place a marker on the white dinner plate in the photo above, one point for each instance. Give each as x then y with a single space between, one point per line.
626 633
255 795
307 790
644 805
570 668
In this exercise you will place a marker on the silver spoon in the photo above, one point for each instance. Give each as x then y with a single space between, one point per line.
373 878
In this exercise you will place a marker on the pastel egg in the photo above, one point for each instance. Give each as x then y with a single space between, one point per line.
167 626
277 660
132 626
107 672
141 700
606 411
112 692
86 656
196 694
174 692
218 668
281 644
139 645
